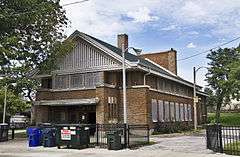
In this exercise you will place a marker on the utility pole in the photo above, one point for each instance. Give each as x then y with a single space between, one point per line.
124 86
195 99
124 50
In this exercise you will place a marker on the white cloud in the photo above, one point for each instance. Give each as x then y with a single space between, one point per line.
106 18
191 45
169 28
193 33
142 15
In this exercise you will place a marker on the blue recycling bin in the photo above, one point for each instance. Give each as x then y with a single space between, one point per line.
34 136
49 137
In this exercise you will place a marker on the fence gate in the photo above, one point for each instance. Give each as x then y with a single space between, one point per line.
214 138
223 139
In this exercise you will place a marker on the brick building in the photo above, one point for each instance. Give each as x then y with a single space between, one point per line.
87 87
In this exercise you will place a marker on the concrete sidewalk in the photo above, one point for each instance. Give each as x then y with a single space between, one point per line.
19 148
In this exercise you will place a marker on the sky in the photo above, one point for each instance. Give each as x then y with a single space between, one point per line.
188 26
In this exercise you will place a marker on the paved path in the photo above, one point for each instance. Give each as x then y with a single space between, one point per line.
166 147
186 144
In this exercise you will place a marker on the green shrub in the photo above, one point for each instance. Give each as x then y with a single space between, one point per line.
227 118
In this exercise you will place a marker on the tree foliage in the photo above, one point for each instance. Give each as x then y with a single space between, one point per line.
14 103
211 99
223 76
31 36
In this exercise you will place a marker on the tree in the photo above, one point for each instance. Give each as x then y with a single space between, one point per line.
222 76
15 104
211 99
31 31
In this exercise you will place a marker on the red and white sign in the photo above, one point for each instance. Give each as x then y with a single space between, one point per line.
66 134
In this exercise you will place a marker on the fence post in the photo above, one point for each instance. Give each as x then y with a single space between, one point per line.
148 134
13 133
220 138
128 138
97 134
125 136
207 135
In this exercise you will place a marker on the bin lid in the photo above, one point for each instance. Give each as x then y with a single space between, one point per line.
3 124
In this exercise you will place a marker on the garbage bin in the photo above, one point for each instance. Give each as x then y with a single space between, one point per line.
34 136
4 132
74 136
49 137
43 126
114 140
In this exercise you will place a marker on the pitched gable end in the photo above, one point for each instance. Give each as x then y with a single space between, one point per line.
86 57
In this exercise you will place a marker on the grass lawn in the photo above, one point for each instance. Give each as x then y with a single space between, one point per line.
226 118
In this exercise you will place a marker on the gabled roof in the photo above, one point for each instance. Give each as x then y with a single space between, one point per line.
133 58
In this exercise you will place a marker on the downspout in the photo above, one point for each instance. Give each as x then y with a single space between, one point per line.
144 78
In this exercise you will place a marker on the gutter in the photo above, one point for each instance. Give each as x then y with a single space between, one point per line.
144 78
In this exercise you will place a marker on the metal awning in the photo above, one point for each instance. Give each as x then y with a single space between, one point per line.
67 102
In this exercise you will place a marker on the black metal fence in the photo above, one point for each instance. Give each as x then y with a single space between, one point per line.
137 135
223 139
131 135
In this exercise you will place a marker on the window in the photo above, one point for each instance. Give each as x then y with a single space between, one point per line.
112 108
62 116
177 112
46 83
181 112
160 111
186 112
172 111
77 81
160 84
166 111
61 82
154 110
88 80
190 112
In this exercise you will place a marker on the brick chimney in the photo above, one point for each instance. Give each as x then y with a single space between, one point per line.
122 39
166 59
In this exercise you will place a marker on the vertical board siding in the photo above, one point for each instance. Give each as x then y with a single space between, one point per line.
85 56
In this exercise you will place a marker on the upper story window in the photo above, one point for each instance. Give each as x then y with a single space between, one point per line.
61 81
87 80
46 83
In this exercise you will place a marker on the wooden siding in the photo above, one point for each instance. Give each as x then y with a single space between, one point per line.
84 56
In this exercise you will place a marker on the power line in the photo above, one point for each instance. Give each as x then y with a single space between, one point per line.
77 2
197 54
33 11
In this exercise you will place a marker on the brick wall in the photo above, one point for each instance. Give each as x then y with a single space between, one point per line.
165 97
41 114
60 95
166 59
136 105
101 108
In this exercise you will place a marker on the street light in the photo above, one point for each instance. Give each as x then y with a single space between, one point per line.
137 51
195 98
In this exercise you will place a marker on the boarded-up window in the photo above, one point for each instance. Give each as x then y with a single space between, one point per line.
190 112
186 112
61 82
172 111
154 110
77 81
166 111
177 109
63 116
182 112
160 111
88 80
